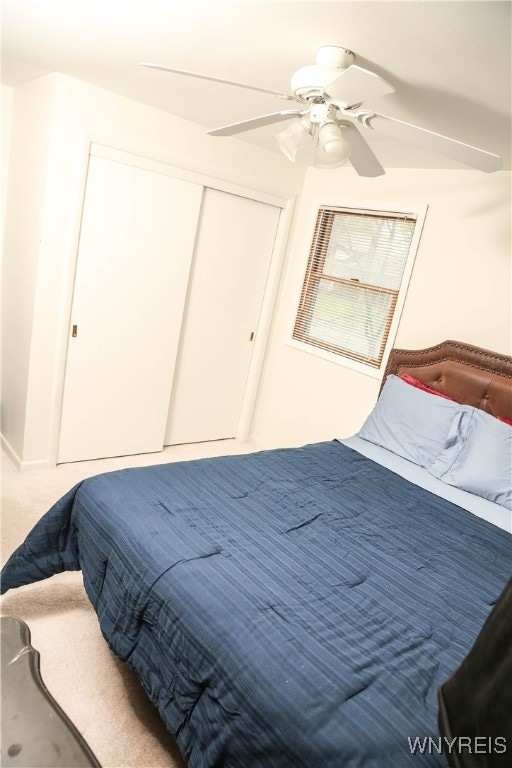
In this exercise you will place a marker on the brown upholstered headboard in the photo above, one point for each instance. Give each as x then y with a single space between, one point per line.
470 375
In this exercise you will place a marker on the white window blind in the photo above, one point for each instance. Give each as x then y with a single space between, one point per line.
353 277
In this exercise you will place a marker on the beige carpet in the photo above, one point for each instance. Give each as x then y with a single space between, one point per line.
98 692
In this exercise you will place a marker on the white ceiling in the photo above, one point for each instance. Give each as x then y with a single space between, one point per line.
449 61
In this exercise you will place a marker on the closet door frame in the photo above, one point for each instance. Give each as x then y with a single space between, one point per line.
143 157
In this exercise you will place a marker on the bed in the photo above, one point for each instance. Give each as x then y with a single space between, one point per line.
302 607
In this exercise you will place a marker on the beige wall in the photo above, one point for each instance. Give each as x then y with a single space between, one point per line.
460 289
30 135
5 128
62 114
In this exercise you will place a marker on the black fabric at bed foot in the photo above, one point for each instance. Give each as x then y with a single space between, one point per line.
475 703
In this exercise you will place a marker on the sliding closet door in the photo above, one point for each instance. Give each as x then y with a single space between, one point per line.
231 261
136 243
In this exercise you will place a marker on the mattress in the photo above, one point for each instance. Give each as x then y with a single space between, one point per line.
481 507
288 608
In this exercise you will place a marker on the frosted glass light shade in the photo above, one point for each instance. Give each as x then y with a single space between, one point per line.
293 137
333 150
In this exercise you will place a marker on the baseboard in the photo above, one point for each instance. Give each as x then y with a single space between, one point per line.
261 445
10 452
28 466
23 466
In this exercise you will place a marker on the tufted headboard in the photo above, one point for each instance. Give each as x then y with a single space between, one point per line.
470 375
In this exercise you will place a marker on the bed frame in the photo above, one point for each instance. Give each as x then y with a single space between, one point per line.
468 374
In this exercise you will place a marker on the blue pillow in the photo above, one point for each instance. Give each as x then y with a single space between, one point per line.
483 466
416 425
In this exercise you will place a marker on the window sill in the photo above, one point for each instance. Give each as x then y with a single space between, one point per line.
346 362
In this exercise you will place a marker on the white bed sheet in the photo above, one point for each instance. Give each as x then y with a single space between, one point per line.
488 510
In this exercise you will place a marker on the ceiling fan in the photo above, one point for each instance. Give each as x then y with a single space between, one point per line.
331 93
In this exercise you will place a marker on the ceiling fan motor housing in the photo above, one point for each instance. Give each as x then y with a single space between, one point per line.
309 82
334 56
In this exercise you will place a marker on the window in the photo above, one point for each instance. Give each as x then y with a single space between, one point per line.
353 279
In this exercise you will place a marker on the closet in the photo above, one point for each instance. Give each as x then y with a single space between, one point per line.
169 281
234 244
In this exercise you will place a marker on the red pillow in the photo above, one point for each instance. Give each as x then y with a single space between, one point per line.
420 385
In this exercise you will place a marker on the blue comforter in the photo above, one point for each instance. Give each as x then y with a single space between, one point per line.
285 609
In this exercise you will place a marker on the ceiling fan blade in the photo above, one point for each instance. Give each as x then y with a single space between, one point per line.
255 122
436 142
356 85
216 80
362 158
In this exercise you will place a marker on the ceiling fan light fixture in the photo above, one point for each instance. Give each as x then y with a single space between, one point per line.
333 150
293 137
